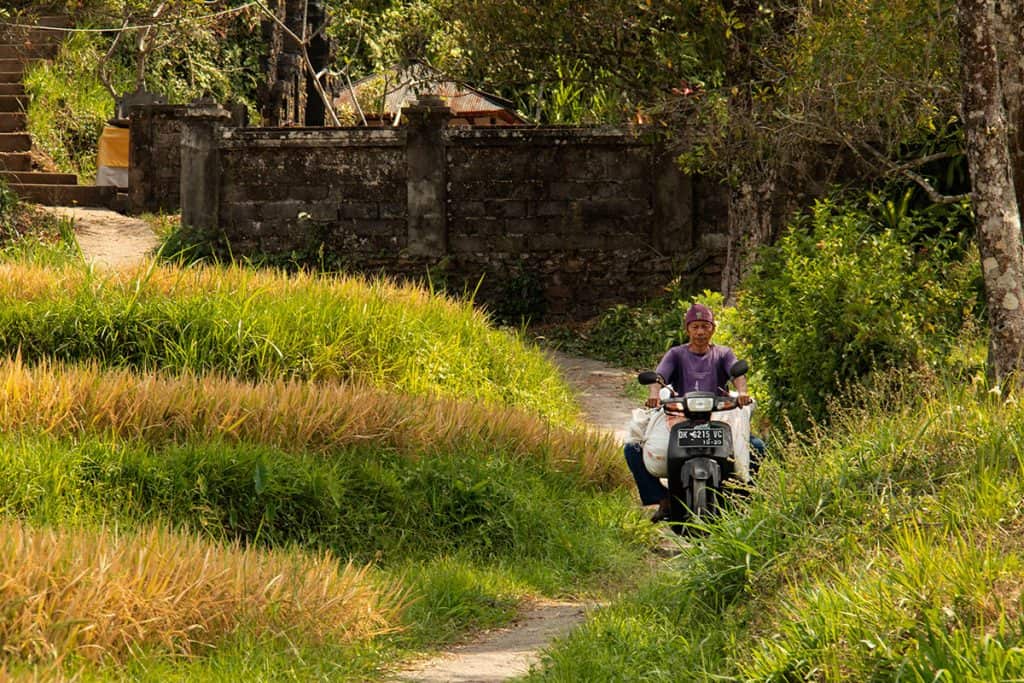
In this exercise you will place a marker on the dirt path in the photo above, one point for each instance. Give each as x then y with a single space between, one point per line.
504 653
507 653
112 240
600 389
109 239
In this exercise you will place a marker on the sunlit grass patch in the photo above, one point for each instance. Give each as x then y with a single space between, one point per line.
885 547
923 602
103 595
265 324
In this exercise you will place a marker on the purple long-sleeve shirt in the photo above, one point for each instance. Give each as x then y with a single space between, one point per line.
688 371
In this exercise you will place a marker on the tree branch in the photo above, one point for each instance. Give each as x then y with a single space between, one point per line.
904 170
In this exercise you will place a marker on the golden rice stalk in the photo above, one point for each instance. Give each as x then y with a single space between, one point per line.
99 594
293 415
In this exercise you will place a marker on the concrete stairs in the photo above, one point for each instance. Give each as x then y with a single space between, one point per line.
17 50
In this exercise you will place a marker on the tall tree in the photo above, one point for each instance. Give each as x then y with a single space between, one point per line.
997 214
1011 51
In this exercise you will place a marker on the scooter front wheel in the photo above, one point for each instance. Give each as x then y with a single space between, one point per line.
699 498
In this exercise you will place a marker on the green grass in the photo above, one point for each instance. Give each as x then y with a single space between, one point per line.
307 414
367 503
469 535
68 105
257 325
886 548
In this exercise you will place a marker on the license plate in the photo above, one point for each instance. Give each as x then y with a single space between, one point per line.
701 437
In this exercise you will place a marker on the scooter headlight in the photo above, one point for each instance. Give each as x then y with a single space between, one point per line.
700 404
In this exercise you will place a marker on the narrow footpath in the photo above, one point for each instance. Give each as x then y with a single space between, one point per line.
109 239
507 653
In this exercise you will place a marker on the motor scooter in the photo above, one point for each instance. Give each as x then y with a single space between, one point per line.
700 457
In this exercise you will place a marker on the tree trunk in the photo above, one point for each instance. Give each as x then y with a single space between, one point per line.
1011 53
750 227
995 201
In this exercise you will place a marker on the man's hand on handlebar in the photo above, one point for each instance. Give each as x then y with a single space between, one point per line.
744 399
652 402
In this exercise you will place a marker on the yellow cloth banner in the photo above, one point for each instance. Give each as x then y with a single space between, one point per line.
113 147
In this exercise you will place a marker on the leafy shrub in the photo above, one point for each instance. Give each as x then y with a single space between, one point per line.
847 294
637 337
68 105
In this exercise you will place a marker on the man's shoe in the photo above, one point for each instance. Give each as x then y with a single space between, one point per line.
664 512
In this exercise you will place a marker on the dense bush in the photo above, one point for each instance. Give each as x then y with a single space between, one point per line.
848 292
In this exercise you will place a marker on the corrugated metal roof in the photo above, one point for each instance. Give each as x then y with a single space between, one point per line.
404 85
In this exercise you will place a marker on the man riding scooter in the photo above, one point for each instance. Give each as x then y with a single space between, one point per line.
698 365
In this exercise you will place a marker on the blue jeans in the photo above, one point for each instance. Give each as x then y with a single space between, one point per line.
650 487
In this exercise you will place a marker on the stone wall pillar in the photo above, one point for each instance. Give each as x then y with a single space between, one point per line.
154 157
426 120
200 172
143 191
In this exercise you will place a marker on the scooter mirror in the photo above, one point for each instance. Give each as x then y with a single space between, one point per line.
649 378
739 368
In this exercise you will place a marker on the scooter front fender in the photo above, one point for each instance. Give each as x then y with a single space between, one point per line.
701 468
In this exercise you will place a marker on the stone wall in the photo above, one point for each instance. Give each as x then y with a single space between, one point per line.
559 222
154 175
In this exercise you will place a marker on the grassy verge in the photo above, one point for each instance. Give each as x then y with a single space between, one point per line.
275 422
31 235
886 548
261 324
463 512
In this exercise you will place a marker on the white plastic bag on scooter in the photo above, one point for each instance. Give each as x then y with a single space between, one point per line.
637 427
738 420
655 441
655 445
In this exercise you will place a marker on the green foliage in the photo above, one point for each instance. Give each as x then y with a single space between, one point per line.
637 337
613 58
69 106
520 297
843 294
883 548
367 503
901 52
189 57
199 57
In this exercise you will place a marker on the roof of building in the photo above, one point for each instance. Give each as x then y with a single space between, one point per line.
401 85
